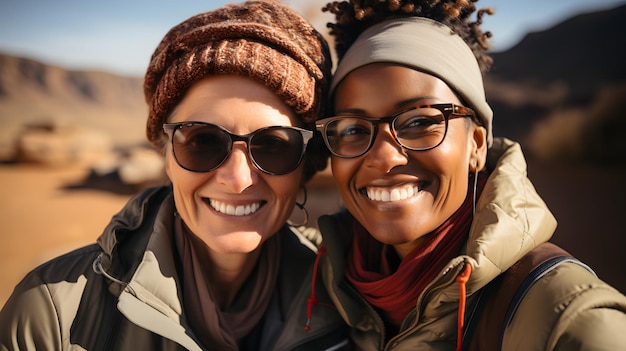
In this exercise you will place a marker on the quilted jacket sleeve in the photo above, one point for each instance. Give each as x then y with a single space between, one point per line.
29 320
569 309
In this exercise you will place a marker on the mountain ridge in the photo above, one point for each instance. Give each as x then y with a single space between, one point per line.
559 92
35 93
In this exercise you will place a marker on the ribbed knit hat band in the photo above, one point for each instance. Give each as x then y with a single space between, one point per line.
262 40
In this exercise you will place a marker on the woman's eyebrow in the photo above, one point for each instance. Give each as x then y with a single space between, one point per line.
401 104
413 101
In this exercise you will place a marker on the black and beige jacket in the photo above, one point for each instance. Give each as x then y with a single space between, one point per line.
124 293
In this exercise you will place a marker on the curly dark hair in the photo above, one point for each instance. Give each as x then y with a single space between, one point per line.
354 16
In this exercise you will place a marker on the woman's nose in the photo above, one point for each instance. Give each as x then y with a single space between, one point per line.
237 173
385 153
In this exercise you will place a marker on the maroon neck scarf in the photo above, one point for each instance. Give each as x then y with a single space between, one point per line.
393 289
216 328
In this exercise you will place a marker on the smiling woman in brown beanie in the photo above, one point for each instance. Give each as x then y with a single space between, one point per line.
208 262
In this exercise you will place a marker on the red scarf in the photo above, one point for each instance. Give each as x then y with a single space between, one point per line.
393 289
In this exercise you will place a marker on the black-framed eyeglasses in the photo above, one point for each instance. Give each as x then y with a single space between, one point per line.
418 129
203 147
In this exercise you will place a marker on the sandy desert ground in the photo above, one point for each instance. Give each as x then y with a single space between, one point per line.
39 220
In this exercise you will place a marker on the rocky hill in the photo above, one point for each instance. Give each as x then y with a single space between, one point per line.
562 92
36 94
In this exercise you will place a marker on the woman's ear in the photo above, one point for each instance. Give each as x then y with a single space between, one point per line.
478 156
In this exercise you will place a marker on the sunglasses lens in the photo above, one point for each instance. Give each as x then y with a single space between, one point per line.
277 150
204 147
200 148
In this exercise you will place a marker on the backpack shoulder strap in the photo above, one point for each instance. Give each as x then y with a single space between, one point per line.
500 299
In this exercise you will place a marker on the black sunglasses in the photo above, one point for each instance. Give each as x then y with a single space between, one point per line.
203 147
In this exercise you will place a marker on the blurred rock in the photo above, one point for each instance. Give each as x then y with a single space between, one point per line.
141 166
54 145
124 172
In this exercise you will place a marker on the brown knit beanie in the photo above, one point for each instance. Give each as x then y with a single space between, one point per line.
264 40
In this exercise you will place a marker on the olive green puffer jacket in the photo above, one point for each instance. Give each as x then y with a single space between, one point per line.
568 309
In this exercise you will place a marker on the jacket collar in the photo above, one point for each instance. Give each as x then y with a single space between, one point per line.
137 249
510 220
138 255
138 252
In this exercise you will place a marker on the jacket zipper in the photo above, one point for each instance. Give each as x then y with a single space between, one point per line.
111 332
428 291
371 312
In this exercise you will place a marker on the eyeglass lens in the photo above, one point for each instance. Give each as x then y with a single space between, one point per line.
202 147
416 129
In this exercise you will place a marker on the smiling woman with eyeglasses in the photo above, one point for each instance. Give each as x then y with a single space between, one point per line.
436 208
211 261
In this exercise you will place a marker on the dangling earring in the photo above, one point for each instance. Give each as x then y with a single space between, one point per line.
300 205
475 168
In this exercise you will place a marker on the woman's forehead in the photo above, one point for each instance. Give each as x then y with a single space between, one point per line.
390 87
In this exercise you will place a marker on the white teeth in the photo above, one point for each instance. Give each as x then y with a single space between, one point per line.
392 194
395 195
234 210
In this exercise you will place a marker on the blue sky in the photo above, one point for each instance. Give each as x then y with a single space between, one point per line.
120 35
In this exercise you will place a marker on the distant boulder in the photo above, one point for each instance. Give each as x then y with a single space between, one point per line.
54 145
136 166
124 172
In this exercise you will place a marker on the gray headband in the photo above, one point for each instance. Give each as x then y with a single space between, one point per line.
427 46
